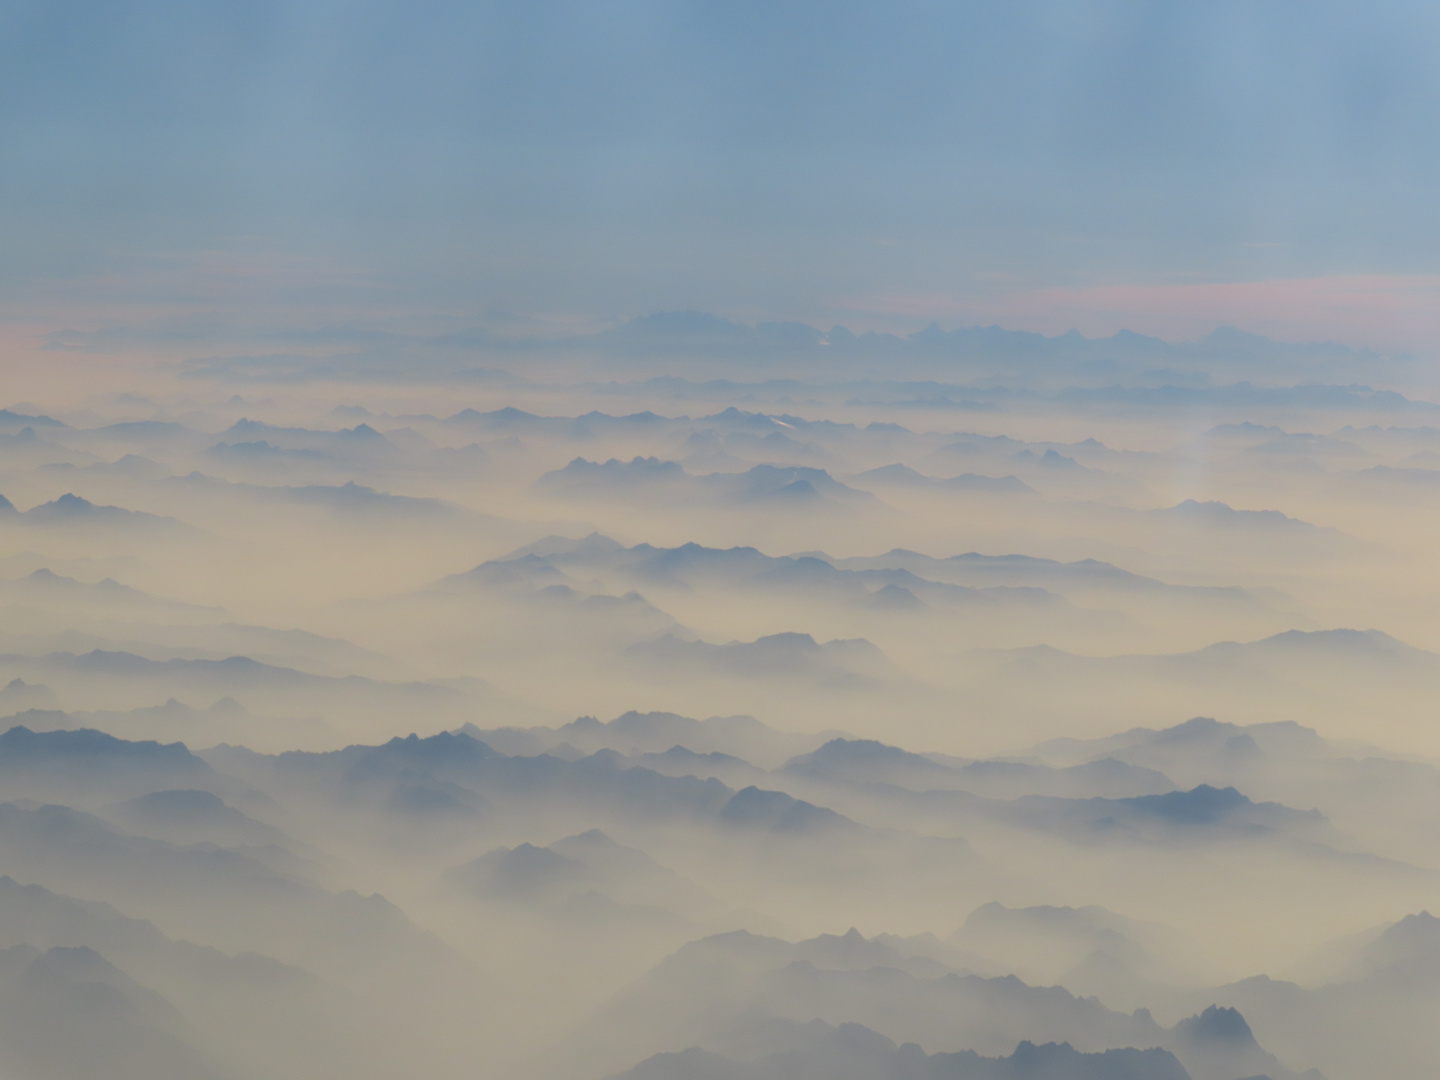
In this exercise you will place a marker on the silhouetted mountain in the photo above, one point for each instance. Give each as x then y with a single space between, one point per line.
635 733
458 776
869 761
753 808
785 657
1218 1043
713 985
1011 357
1404 957
120 677
62 764
10 419
585 428
902 476
72 512
349 501
1282 678
978 570
219 996
192 817
1086 949
582 477
105 597
763 484
362 440
1105 778
69 1014
680 761
819 1051
557 560
17 695
232 899
566 877
1221 515
1202 813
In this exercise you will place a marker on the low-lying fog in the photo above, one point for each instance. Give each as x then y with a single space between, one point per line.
611 714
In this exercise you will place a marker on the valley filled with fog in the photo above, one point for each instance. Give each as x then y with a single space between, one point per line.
699 701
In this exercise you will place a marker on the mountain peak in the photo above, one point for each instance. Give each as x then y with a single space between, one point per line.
1217 1027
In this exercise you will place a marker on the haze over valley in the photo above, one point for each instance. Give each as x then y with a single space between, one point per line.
585 728
695 541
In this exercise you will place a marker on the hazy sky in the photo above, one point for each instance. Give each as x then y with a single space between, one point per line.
1162 165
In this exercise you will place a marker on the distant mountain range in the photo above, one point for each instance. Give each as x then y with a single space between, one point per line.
1218 366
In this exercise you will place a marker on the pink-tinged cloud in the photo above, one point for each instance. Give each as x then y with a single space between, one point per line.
1382 311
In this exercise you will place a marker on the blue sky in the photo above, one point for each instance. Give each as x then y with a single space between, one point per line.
823 161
